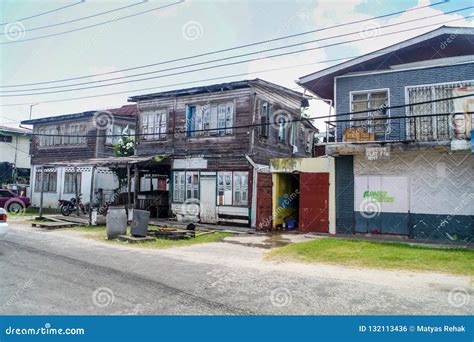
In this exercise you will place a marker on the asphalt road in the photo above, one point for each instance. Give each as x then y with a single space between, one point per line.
53 273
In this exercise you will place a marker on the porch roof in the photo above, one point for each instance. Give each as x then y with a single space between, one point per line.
111 161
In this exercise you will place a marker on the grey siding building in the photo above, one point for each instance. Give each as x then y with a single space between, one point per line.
402 137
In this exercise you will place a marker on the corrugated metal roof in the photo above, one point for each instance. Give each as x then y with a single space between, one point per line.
215 88
18 130
124 111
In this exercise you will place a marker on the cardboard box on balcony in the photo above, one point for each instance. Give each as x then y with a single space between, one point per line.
358 134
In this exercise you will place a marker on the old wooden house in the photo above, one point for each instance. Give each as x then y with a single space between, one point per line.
68 145
216 142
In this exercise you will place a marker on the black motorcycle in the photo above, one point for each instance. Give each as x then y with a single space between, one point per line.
67 207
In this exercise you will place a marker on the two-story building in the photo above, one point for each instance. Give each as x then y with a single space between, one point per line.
80 138
402 128
217 141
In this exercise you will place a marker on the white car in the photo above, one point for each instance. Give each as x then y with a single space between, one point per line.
3 222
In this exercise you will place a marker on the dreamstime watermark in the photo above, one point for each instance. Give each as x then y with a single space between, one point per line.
15 207
369 208
47 329
192 207
192 30
14 31
281 297
281 119
451 38
458 297
369 30
102 297
465 200
27 284
280 211
103 120
104 208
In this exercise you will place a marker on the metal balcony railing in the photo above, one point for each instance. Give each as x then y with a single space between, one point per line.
430 127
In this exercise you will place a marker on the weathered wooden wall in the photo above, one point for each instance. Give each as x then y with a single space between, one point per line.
94 147
265 148
57 153
224 152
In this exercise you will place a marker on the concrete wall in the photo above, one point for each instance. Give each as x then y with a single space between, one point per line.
104 178
441 191
315 165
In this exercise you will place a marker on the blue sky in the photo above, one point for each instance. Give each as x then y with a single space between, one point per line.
185 29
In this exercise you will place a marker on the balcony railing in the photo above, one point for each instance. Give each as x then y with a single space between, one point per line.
430 127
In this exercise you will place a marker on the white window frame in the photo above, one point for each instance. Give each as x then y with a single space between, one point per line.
433 85
368 117
192 187
240 191
282 134
179 186
69 185
114 133
50 178
157 128
211 115
224 188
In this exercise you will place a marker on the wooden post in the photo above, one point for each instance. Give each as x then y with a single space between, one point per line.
136 178
76 190
129 188
91 196
41 192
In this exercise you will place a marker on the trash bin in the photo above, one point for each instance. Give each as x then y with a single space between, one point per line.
140 219
116 222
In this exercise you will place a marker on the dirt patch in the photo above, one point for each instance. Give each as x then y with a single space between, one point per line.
268 241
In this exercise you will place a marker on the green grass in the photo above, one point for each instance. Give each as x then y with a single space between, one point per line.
378 255
98 233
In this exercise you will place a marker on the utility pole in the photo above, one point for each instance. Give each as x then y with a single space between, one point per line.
31 109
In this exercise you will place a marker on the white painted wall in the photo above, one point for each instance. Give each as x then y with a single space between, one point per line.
104 178
16 152
439 182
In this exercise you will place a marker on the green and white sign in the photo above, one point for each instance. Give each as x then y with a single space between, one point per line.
387 194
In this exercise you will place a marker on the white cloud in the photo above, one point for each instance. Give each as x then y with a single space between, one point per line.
373 29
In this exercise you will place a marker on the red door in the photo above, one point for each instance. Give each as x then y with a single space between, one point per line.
264 201
314 199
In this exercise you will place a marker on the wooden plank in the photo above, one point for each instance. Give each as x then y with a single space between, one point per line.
52 225
67 219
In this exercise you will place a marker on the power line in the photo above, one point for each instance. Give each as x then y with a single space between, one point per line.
227 58
233 63
227 49
179 84
290 121
94 25
79 19
43 13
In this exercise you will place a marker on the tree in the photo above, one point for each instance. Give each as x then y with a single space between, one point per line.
125 147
